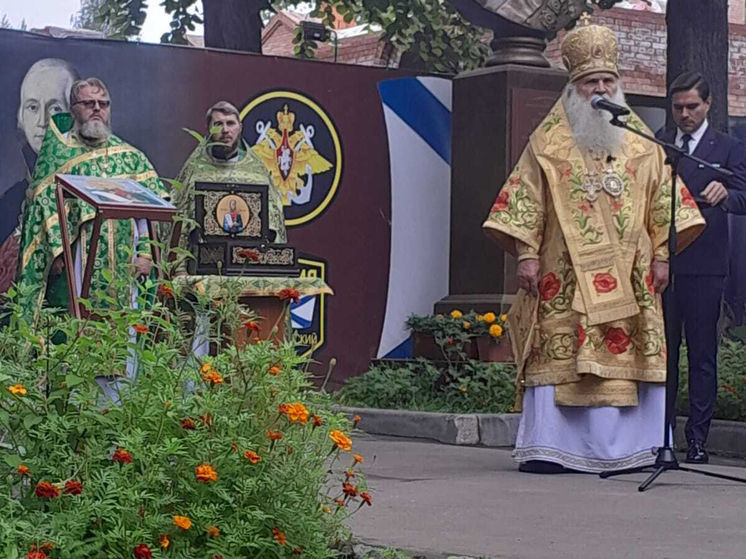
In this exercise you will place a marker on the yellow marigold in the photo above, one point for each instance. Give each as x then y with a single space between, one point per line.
496 330
504 317
358 459
164 541
213 531
205 473
296 412
326 509
456 314
17 389
489 318
341 440
252 457
463 390
182 522
480 318
467 325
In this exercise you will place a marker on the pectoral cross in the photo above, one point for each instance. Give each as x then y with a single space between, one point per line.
592 186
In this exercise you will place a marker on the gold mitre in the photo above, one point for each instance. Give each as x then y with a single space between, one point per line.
589 48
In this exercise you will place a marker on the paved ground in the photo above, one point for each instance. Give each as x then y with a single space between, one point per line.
448 500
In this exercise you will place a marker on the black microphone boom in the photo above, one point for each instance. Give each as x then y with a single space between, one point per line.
599 103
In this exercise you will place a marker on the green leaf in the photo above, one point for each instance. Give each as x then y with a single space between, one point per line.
73 380
31 419
12 460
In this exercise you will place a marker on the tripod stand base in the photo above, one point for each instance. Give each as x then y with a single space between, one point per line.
665 460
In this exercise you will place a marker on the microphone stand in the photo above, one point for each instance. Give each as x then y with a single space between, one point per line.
665 459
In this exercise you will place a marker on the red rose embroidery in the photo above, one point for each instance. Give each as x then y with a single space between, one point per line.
582 336
550 286
686 199
649 281
604 283
565 170
617 340
631 169
501 204
616 205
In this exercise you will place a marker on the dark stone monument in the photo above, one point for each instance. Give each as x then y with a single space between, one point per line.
495 110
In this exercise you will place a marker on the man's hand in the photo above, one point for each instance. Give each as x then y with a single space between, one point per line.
660 276
142 266
528 276
715 193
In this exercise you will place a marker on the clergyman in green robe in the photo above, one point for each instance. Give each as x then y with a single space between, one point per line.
80 143
226 159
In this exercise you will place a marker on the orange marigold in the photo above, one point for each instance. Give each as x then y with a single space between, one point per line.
164 541
252 457
23 470
165 290
366 498
288 294
274 370
355 420
122 456
17 389
317 422
182 522
140 328
341 440
295 412
357 459
205 473
46 490
37 555
349 489
210 375
187 424
274 435
279 536
206 419
73 487
213 531
252 326
339 502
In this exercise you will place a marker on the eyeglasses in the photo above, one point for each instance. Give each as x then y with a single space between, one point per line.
90 104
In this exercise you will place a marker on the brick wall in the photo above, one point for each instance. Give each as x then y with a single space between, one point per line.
642 52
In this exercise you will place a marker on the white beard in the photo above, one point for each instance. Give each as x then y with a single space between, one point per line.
94 132
591 127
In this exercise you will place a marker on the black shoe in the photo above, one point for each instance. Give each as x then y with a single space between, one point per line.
541 467
696 453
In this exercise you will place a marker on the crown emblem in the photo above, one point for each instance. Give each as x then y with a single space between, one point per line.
589 48
285 120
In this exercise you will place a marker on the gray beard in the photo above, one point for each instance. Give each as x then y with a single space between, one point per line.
591 127
94 132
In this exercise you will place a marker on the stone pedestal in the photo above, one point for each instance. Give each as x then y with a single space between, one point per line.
495 110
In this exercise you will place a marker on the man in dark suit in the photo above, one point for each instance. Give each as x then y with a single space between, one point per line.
700 270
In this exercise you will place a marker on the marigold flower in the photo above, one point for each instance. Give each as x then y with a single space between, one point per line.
165 290
188 424
279 536
349 489
206 419
366 498
274 435
182 522
213 531
140 328
274 370
17 389
355 420
249 254
357 459
288 294
489 317
295 412
142 551
205 473
283 408
341 440
46 490
23 470
339 502
480 318
463 389
47 547
326 509
349 474
164 541
496 330
122 456
210 375
37 555
466 325
73 487
456 314
503 317
252 457
234 446
317 422
252 326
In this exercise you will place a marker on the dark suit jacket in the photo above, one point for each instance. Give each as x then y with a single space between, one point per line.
708 255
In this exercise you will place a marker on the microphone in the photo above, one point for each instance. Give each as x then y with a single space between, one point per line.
599 103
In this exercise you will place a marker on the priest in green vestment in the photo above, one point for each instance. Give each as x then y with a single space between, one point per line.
80 143
226 159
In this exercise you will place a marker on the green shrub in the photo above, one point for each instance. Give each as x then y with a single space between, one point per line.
470 387
199 440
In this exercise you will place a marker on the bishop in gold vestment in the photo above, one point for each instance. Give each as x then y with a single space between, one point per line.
587 211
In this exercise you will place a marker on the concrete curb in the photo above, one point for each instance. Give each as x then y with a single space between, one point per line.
727 438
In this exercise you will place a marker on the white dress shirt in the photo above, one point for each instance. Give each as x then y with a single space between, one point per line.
696 136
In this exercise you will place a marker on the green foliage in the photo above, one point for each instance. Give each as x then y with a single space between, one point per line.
181 413
470 387
87 17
